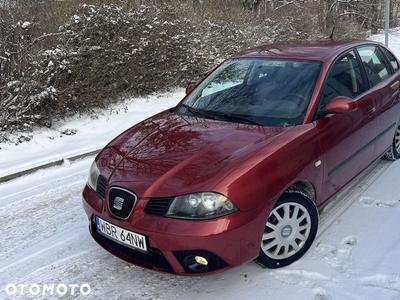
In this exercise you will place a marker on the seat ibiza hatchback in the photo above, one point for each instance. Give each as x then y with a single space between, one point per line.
239 169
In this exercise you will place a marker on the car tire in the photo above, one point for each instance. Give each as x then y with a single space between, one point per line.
394 151
289 231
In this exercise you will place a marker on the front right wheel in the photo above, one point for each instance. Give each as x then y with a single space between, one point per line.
289 231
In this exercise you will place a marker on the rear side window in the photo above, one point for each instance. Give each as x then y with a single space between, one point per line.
393 61
375 64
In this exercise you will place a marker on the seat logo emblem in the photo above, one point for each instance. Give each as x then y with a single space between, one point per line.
118 203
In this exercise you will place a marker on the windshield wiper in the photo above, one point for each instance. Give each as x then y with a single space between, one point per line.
219 115
199 112
236 118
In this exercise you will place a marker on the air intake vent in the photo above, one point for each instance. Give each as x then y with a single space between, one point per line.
158 206
101 187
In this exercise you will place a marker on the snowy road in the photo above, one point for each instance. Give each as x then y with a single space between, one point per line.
45 240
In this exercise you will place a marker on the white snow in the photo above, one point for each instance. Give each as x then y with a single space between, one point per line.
26 25
45 240
91 133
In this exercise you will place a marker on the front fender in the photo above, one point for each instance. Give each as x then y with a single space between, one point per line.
266 175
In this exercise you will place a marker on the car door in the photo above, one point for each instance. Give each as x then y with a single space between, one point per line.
381 70
346 139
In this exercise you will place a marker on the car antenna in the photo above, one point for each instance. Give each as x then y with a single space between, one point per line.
333 30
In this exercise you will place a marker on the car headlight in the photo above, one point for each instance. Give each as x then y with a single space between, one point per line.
201 206
93 176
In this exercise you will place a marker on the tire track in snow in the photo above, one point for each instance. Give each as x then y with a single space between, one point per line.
54 249
39 217
340 258
344 199
41 225
21 188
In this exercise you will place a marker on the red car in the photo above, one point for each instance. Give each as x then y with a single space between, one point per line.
239 169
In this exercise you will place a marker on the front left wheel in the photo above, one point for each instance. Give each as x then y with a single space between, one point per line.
289 231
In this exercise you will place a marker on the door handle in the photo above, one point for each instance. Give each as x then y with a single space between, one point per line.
395 86
370 111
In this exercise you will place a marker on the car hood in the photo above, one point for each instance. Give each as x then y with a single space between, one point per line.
170 154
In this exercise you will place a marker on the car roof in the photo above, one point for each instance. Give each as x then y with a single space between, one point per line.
305 50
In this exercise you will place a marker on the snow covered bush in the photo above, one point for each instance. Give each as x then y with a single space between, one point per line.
101 53
63 58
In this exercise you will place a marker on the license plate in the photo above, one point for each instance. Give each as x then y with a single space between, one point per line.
121 235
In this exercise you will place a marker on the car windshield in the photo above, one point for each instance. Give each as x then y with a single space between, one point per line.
267 92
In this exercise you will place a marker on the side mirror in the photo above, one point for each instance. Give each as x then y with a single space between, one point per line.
340 105
190 87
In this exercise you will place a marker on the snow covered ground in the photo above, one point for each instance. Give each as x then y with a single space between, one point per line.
45 240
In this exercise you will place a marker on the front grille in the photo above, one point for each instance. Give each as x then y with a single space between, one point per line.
101 187
153 259
158 206
214 262
121 202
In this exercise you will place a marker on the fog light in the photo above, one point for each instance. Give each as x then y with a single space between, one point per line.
196 263
201 260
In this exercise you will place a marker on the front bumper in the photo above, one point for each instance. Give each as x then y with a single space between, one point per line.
173 244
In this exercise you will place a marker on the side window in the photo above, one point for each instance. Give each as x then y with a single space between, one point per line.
393 61
344 79
375 64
